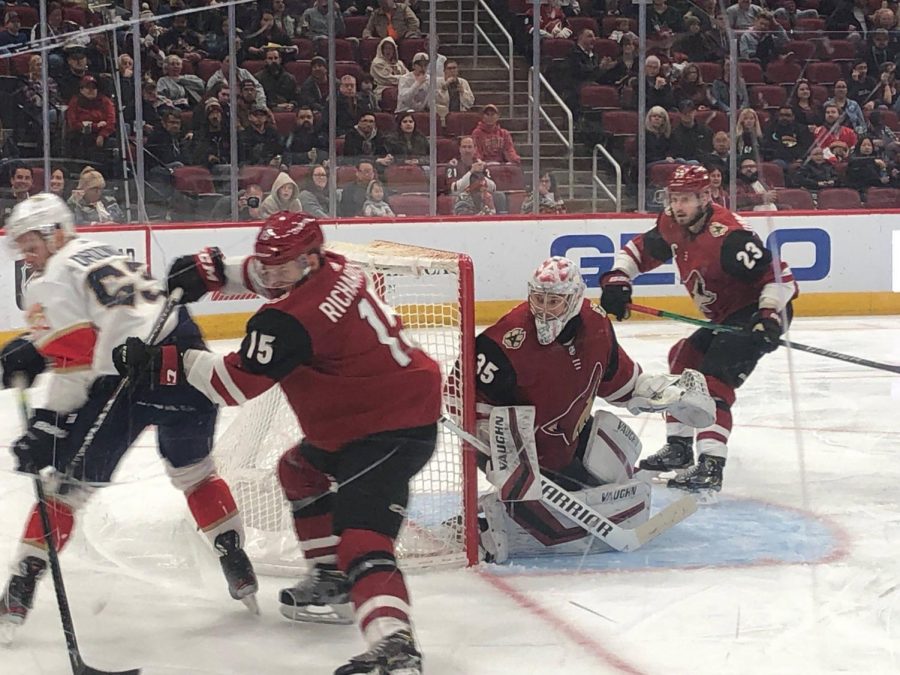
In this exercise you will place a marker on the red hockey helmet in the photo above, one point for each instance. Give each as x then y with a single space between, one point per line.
286 236
689 178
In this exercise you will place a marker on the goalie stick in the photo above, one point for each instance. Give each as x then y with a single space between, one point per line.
594 523
79 667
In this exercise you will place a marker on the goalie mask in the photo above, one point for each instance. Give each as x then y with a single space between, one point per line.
44 214
555 294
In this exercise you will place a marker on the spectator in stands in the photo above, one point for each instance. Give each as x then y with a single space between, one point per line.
879 50
365 140
407 145
624 68
747 136
764 41
459 166
860 87
314 90
181 41
58 182
249 205
548 196
259 143
622 28
721 151
375 206
752 194
582 67
314 21
691 86
658 132
392 19
664 48
838 151
659 91
359 7
453 92
30 97
212 139
350 105
693 43
494 143
789 13
69 81
741 15
882 136
691 140
884 17
285 196
185 91
166 148
716 39
307 143
90 121
785 141
267 35
716 190
247 100
476 199
806 110
243 75
314 198
21 180
279 85
817 173
90 205
851 113
366 93
413 88
151 104
553 22
386 68
850 18
354 195
11 38
885 94
660 16
866 168
125 75
284 20
57 27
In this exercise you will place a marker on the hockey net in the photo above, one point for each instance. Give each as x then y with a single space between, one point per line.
432 291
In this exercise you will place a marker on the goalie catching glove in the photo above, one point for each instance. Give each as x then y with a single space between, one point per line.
157 365
43 442
197 275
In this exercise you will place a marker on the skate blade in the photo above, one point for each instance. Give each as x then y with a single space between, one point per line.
330 614
7 632
251 604
703 497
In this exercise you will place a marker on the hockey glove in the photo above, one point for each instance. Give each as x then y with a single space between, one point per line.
197 275
765 328
159 365
616 296
20 358
43 442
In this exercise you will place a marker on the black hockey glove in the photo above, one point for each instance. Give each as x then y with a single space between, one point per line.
158 365
19 357
43 442
616 295
765 328
197 275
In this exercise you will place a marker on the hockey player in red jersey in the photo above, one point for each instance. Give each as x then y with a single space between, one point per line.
368 402
557 352
733 280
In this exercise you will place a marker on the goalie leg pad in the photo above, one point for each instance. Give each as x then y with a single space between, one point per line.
514 463
612 450
308 490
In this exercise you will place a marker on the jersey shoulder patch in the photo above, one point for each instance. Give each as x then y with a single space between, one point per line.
514 338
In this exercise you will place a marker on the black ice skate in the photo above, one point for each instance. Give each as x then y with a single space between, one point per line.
322 596
238 570
19 595
677 453
396 654
705 476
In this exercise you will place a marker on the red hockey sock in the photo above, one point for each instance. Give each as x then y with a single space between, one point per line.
213 508
309 492
62 520
377 590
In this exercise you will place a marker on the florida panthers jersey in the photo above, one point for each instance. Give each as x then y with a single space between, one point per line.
725 267
560 379
89 298
339 353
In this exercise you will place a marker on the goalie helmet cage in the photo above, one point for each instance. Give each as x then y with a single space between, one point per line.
432 291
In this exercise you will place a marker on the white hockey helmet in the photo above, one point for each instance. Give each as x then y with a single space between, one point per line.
44 213
555 293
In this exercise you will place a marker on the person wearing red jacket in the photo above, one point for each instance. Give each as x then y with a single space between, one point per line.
494 143
90 120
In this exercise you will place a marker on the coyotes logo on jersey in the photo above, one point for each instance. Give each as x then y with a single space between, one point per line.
572 421
701 296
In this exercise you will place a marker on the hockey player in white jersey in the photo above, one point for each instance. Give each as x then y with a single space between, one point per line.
83 299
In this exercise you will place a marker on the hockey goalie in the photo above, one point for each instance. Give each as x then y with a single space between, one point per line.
539 371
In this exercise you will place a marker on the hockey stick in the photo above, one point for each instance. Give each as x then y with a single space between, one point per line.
827 353
171 303
79 667
594 523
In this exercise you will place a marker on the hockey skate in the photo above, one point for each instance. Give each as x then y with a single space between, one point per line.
323 596
676 454
704 478
19 595
396 654
238 570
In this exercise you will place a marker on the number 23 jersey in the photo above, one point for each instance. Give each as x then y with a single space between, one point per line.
339 354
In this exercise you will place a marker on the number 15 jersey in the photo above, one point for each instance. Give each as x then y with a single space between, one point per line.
339 354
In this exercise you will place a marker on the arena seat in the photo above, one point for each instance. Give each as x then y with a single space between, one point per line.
620 122
790 199
600 96
838 198
507 176
882 198
193 180
409 204
461 123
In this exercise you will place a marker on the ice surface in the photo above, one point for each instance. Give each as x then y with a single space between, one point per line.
792 572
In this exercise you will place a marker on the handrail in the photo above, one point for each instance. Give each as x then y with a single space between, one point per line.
595 180
508 64
569 139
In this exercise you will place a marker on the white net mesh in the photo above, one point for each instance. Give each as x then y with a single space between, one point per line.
426 289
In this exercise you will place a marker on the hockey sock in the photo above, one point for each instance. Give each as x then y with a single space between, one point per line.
62 520
713 440
309 492
377 588
213 508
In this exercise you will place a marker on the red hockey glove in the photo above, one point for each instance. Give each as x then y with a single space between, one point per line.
616 295
197 275
765 327
160 364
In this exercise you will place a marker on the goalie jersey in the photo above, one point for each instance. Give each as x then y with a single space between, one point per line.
339 353
560 379
89 298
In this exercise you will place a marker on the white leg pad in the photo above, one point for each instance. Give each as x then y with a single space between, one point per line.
613 449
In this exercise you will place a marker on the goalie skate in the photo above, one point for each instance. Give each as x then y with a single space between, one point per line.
704 479
396 654
323 596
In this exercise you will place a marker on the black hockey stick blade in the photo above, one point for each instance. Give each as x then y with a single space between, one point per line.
87 670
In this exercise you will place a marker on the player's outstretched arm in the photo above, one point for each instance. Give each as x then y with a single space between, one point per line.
209 271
